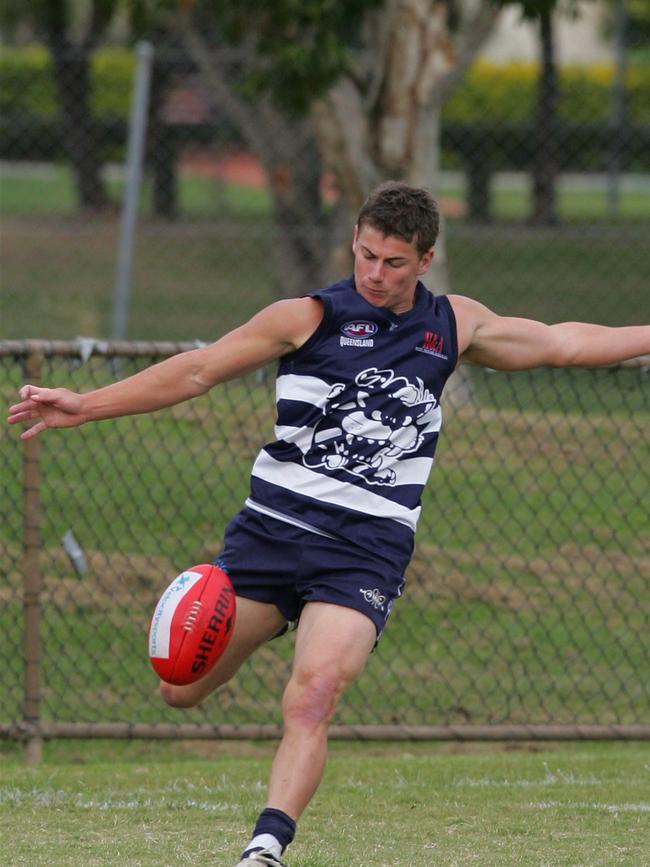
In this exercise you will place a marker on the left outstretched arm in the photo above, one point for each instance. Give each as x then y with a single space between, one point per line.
510 343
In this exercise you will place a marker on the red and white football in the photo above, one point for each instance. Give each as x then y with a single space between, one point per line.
192 624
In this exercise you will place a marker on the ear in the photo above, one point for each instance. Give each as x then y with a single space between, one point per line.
355 236
425 261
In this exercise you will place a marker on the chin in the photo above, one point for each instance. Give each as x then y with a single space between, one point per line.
377 299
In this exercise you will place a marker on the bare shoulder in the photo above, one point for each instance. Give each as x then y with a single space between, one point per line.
470 314
467 307
291 320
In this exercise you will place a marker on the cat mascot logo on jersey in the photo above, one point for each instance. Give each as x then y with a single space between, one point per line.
370 425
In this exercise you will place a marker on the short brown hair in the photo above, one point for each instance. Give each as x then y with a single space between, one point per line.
411 213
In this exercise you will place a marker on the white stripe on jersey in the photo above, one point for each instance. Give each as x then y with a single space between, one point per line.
309 389
298 436
329 490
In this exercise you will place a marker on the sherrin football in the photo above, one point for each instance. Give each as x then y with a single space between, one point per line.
192 624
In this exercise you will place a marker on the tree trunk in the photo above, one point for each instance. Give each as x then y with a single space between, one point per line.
161 153
80 138
379 121
299 223
286 149
544 175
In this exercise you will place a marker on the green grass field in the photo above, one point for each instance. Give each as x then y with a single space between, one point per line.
49 189
380 805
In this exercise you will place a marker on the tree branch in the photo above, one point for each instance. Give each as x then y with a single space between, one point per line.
245 116
341 128
472 35
102 12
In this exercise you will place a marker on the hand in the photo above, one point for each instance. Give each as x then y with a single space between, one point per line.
54 407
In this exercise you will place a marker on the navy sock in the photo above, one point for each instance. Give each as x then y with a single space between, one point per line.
276 823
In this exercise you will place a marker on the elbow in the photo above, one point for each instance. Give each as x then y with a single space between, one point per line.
565 358
565 349
199 375
199 383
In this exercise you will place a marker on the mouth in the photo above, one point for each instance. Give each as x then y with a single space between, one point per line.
374 293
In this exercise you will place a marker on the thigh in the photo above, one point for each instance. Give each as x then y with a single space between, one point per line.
333 641
255 624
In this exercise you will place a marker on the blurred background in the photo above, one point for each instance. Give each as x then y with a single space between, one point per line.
266 128
166 168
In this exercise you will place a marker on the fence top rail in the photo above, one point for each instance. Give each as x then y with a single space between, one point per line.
84 347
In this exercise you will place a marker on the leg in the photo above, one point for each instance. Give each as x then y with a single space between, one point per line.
332 646
255 623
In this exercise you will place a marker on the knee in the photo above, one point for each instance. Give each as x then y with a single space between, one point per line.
178 696
310 699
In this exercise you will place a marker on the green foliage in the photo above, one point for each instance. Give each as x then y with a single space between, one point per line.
27 85
495 92
489 92
637 22
112 72
300 48
28 88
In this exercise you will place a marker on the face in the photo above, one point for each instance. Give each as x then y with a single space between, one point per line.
386 268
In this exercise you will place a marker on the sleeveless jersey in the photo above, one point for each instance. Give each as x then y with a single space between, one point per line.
358 418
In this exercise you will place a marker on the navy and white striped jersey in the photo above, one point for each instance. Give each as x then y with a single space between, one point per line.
358 418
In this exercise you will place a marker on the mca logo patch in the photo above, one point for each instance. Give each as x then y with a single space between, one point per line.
433 344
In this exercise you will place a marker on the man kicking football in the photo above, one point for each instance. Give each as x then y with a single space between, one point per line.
327 531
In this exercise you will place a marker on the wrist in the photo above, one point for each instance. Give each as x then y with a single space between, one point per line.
85 410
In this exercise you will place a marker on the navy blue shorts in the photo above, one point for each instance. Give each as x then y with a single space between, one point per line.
271 561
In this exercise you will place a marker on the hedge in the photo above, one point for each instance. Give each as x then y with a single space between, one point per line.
27 84
489 92
492 92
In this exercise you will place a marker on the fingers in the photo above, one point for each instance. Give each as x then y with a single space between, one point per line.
19 413
29 407
33 431
36 403
35 392
23 411
26 391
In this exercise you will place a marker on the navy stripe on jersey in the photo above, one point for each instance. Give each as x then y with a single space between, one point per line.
361 529
358 418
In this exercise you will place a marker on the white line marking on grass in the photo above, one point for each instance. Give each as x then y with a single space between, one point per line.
555 777
607 808
58 798
549 780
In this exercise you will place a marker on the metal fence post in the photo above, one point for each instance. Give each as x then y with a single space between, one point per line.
32 581
135 157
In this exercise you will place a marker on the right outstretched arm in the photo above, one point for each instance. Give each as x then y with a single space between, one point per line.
271 333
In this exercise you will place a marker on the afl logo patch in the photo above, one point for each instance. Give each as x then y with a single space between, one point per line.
361 330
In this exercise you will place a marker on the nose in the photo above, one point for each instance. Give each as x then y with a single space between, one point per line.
376 272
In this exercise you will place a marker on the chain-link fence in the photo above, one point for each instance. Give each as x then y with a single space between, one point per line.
526 610
527 605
